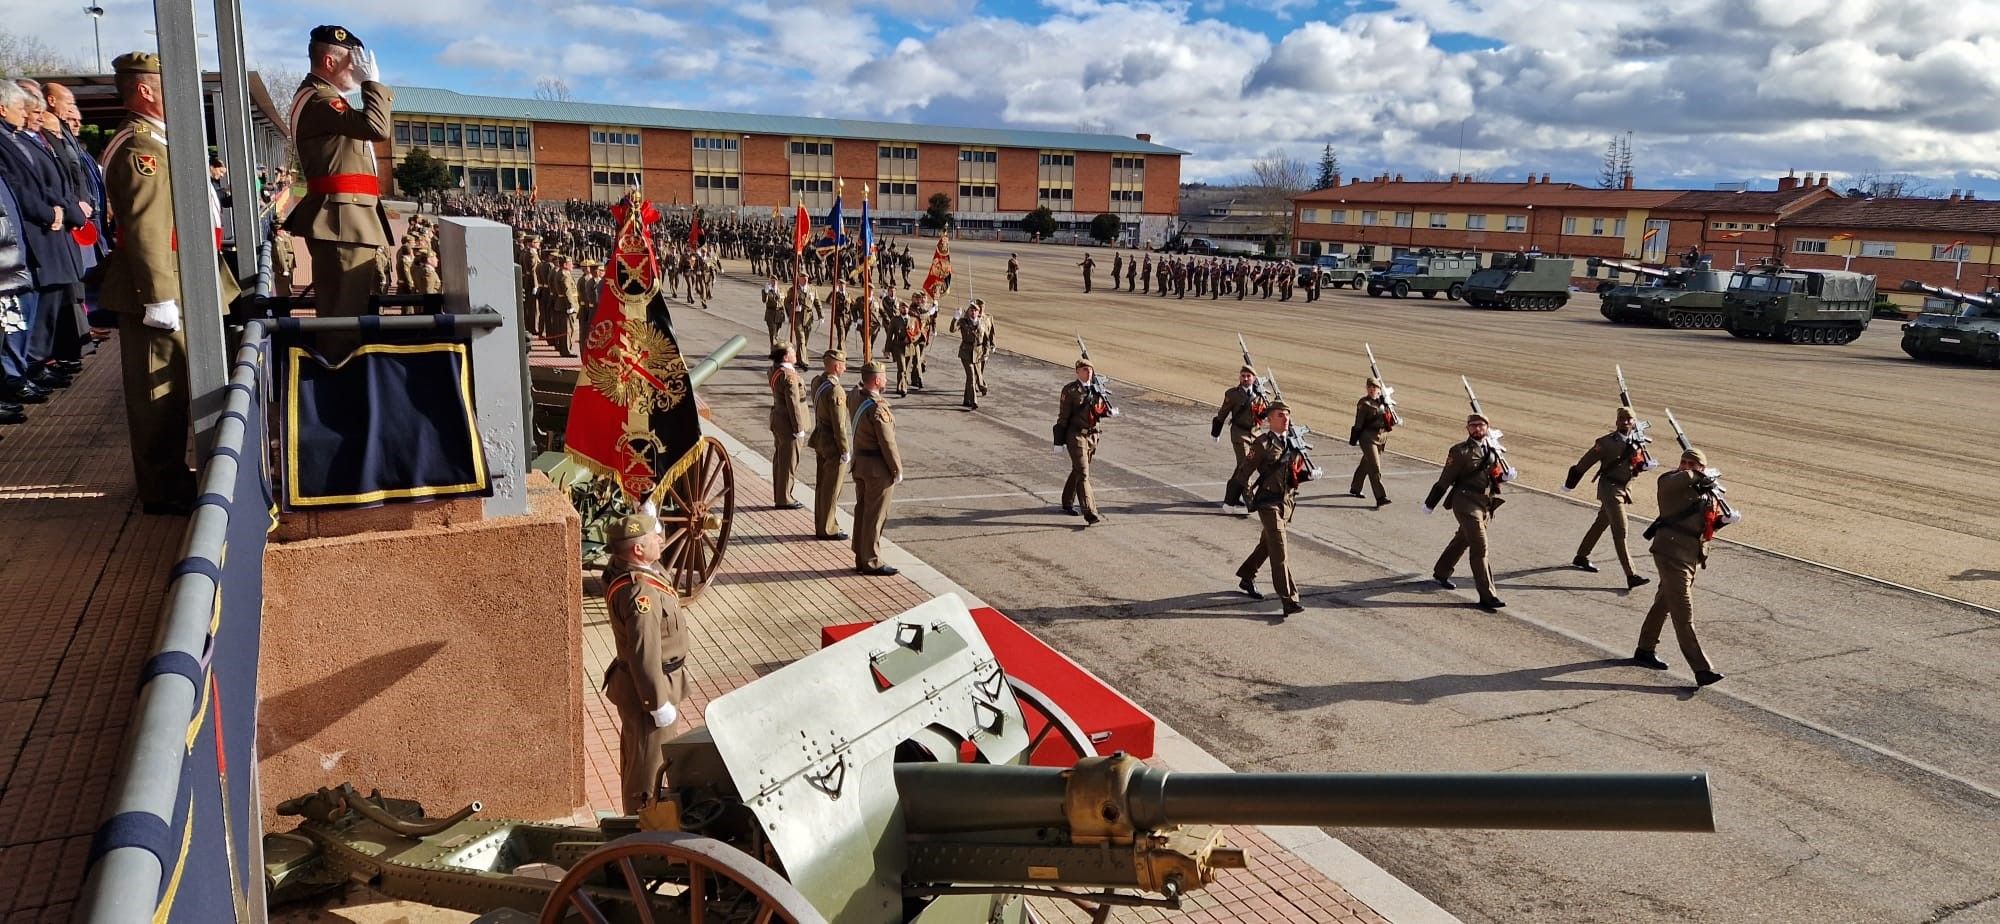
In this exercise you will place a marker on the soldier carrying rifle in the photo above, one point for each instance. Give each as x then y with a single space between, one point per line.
1469 487
1618 456
1243 408
1280 457
1691 510
1085 402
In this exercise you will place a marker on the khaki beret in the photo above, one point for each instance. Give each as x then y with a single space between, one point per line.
136 62
1083 362
1277 406
636 526
834 356
1625 413
1246 367
871 368
1696 455
1374 383
1478 417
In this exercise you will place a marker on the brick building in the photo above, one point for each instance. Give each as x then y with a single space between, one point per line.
571 150
1951 242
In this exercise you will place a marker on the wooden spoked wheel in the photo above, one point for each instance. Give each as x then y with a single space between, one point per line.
696 512
656 877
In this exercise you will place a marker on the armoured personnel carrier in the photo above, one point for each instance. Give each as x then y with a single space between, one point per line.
1970 331
1789 305
1682 297
1428 272
884 780
1521 282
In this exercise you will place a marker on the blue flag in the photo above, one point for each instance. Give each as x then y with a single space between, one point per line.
867 233
836 232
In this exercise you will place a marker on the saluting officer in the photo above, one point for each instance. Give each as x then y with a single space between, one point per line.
877 470
647 677
975 341
1690 513
1470 488
341 216
1619 457
1243 407
1274 499
830 443
1372 421
1083 405
788 424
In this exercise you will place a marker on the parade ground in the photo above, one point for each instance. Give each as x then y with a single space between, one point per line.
1849 747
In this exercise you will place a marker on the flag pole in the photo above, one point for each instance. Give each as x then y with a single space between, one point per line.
798 290
867 273
839 278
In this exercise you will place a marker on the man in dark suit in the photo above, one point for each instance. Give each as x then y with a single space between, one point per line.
49 213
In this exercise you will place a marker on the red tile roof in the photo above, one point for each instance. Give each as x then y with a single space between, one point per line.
1770 202
1977 216
1496 194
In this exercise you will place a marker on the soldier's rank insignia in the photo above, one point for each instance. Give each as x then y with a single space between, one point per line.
145 164
643 604
338 104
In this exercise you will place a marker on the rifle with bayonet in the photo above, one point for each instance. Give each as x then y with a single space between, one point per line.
1296 452
1492 459
1636 456
1388 400
1097 388
1709 501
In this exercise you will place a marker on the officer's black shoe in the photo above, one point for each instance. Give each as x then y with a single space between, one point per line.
1293 607
1382 502
69 366
1072 511
1645 658
49 378
1249 588
794 505
835 536
1637 580
21 391
1492 604
877 571
1583 564
1444 582
1354 494
1704 678
1092 519
12 413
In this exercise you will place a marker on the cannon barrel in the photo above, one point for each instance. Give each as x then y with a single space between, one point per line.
956 798
1636 269
724 353
1983 301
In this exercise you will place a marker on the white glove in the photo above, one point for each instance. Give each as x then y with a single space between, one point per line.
665 715
1114 412
366 68
799 435
164 315
899 478
1566 489
845 458
1428 510
1216 438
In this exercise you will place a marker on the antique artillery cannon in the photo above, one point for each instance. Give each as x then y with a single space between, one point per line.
878 781
1971 332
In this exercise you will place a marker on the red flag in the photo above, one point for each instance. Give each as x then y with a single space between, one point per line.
802 230
694 231
938 280
1842 236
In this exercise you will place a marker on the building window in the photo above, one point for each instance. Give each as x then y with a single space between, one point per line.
711 143
1475 222
1309 216
507 179
1618 227
813 148
978 192
1881 249
971 156
402 133
1058 160
887 152
1517 223
453 135
1440 220
1367 218
1055 194
506 139
1129 195
1569 225
715 181
1405 219
1597 226
526 177
1805 246
1128 163
457 176
1715 226
437 134
1957 254
492 137
1338 217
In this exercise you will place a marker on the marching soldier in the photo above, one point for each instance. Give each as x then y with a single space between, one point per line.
1132 275
341 216
1088 264
1117 268
1279 470
1083 405
774 309
975 340
1372 422
904 345
788 424
1243 407
1690 513
1013 272
1618 459
877 470
1470 488
646 679
830 443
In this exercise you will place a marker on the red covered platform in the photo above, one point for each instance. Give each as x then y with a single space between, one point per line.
1111 722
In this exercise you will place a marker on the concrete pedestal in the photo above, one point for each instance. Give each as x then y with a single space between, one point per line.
429 653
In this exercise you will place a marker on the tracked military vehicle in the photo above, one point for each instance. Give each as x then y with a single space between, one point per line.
1428 272
1969 331
1773 301
1521 282
1686 298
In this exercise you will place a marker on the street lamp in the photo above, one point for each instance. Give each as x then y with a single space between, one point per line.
96 13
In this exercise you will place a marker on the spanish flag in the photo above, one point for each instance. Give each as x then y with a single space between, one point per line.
1842 236
802 230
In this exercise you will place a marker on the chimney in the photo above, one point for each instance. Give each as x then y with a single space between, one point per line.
1822 181
1790 180
1145 136
1454 179
1336 180
1545 179
1628 181
1531 179
1954 196
1399 178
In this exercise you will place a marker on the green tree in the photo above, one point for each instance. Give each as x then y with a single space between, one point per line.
1105 227
938 216
1040 221
1329 168
420 174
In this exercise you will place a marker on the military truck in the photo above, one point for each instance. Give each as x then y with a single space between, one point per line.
1682 297
1773 301
1336 270
1426 271
1970 330
1521 282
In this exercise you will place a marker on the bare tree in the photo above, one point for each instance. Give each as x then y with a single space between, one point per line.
282 82
1876 185
29 56
1617 168
1278 179
552 88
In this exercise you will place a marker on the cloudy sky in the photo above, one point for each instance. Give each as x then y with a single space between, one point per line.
1711 90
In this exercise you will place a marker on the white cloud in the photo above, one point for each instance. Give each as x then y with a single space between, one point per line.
487 54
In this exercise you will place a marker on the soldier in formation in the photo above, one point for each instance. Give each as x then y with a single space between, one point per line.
831 443
1469 486
1691 510
878 468
788 424
1088 264
1084 404
647 678
1618 456
1281 466
975 341
1013 272
774 309
1243 408
1373 419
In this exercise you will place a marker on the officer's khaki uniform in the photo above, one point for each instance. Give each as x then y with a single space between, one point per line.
830 441
284 261
774 314
1274 500
1242 409
975 341
548 307
530 291
904 334
1615 455
1077 418
424 276
1371 422
341 216
1474 493
788 420
1679 550
876 467
647 671
143 270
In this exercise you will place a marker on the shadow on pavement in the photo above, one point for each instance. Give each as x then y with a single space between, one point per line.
1424 690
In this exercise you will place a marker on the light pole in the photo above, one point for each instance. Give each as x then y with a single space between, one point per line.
96 13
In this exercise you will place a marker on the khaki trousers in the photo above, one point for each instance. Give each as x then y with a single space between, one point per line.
871 514
1611 506
1674 600
1077 489
784 466
639 740
1240 439
155 367
1370 470
1271 546
827 476
1470 540
343 276
975 376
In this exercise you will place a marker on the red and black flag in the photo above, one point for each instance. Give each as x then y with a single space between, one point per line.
633 417
694 232
938 281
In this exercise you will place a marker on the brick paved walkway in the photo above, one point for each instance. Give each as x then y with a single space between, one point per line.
86 577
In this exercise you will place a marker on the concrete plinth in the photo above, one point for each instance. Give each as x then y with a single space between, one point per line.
440 661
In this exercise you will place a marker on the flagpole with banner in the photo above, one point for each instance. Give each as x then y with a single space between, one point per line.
801 230
867 272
